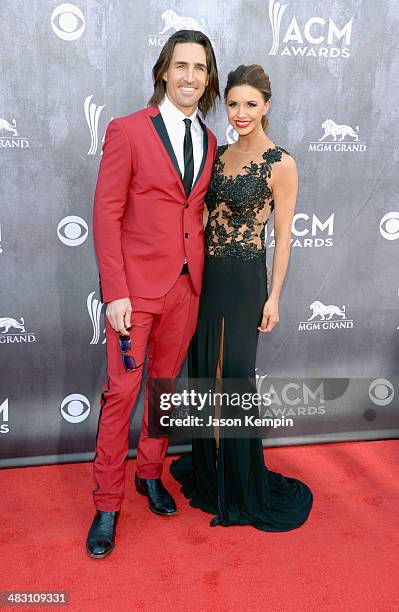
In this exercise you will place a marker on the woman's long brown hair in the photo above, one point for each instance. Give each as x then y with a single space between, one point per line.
256 77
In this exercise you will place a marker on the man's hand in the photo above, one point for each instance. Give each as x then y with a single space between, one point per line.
118 314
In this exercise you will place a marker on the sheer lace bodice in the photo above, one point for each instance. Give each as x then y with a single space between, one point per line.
239 205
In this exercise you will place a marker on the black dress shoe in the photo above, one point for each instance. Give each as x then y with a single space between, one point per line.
159 500
101 539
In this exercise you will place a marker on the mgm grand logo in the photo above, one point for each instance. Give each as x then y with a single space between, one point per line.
9 136
12 331
338 137
172 22
326 317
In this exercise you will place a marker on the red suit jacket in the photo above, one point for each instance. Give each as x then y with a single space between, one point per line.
144 225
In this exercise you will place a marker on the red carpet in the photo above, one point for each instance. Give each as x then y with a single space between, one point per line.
346 557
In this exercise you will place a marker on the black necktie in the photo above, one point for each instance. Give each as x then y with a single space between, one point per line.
188 158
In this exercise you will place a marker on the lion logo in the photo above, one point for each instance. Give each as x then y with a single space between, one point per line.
321 310
174 21
5 125
8 322
333 129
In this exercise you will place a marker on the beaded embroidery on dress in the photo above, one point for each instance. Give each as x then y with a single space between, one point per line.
239 207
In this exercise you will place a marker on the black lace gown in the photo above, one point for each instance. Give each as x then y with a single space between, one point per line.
232 481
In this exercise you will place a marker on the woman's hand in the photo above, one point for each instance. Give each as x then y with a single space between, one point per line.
270 316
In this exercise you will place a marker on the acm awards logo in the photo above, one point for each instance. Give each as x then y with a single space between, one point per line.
68 22
92 114
316 37
94 307
13 331
290 398
309 231
4 426
172 22
398 323
338 137
231 134
326 316
10 137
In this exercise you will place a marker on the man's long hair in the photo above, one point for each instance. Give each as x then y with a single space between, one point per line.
211 93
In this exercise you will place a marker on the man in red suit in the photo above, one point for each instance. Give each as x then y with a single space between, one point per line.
148 234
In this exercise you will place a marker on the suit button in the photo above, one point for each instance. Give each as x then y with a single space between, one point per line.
186 204
186 235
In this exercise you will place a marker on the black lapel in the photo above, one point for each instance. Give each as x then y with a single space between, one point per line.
205 152
160 127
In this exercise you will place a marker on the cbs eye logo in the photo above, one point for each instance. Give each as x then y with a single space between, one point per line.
72 230
389 226
68 22
381 392
75 408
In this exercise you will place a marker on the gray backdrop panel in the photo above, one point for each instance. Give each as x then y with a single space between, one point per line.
67 70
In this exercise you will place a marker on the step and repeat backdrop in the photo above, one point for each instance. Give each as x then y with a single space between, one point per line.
67 70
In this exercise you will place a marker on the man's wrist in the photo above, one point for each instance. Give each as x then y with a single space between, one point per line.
115 298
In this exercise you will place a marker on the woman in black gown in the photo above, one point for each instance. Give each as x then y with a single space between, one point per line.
227 476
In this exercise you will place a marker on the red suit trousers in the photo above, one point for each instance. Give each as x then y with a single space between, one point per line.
166 325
